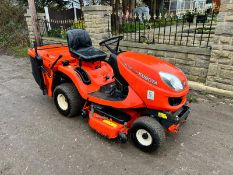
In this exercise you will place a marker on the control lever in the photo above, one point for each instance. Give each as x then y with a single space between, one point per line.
55 62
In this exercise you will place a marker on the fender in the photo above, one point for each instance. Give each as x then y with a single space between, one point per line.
69 71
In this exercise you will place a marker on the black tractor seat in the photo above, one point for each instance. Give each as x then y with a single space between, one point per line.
89 54
114 64
80 46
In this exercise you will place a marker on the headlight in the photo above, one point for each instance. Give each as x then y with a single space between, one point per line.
172 81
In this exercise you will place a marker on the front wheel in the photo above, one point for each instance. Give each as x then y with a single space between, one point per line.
147 134
67 100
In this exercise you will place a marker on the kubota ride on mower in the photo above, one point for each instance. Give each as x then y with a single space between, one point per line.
128 94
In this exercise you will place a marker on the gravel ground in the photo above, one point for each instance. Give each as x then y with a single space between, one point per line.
36 139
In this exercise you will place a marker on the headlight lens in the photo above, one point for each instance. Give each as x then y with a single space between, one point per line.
172 81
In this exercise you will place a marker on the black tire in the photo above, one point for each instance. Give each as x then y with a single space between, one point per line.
154 132
72 97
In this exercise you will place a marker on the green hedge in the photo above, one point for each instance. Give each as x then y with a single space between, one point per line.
61 33
13 30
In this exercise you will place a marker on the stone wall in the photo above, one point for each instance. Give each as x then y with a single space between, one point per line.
96 22
220 72
41 17
192 60
211 67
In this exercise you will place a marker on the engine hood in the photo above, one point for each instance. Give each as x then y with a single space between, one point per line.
148 67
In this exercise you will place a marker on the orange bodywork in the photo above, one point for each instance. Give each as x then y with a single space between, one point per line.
134 67
50 54
137 96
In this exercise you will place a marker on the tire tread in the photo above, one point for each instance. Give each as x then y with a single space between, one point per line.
155 127
74 98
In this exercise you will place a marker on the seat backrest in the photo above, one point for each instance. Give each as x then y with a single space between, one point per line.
78 39
113 62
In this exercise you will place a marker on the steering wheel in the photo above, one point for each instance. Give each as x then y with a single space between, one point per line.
110 41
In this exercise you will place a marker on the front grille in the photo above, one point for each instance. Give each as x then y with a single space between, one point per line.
174 101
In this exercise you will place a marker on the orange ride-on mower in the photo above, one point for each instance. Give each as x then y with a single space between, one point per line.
127 95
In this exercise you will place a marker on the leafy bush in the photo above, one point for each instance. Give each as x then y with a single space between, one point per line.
13 30
131 27
162 23
80 24
55 33
189 17
62 33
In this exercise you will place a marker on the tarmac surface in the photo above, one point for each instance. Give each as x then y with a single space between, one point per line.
35 139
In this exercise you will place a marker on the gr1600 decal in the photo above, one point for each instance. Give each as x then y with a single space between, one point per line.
148 79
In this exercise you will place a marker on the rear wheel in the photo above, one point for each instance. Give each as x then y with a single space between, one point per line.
147 134
67 100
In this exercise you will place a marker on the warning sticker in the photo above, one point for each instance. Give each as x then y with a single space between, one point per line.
108 122
150 95
162 115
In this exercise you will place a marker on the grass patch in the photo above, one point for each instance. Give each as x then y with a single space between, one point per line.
192 98
22 52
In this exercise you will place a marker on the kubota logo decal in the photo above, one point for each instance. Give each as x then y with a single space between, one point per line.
148 79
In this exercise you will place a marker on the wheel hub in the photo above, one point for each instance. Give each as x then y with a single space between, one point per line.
62 102
144 137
